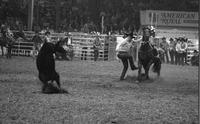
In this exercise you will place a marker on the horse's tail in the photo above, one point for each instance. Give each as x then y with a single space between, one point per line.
157 65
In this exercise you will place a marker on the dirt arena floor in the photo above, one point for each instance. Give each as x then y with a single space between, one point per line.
96 94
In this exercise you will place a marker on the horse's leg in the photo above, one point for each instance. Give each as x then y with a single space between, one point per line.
2 50
7 52
139 70
8 55
10 49
147 73
147 69
157 65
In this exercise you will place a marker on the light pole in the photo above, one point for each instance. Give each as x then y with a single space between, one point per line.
199 61
30 14
102 14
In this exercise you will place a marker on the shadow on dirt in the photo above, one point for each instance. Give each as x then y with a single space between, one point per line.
133 79
52 89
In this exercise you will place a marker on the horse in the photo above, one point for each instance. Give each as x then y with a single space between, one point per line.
147 55
9 41
45 63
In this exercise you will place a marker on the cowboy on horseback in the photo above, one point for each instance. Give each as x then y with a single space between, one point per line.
3 38
10 41
3 30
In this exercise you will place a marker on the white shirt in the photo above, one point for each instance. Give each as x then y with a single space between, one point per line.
178 48
125 45
183 47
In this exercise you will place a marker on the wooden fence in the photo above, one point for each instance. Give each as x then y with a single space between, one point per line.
82 45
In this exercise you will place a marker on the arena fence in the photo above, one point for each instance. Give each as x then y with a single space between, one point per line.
190 51
82 45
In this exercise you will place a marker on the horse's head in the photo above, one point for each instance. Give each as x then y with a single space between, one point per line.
19 35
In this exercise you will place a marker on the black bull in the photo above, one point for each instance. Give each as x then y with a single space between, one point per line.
46 66
147 55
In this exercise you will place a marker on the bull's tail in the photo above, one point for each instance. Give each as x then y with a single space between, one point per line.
157 65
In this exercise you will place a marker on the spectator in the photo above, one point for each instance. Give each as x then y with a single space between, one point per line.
96 46
165 46
178 52
47 37
172 49
184 47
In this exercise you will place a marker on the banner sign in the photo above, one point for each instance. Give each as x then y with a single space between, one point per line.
169 18
176 33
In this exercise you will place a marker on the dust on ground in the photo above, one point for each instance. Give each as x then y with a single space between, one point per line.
96 94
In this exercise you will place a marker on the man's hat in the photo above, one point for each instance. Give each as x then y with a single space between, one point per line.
146 27
195 51
127 34
171 39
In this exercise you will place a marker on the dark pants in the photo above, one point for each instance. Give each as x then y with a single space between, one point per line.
175 58
167 57
172 56
96 54
182 57
9 51
125 64
179 58
185 57
162 56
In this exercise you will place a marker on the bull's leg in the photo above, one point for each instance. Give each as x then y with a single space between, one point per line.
57 79
44 82
44 87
